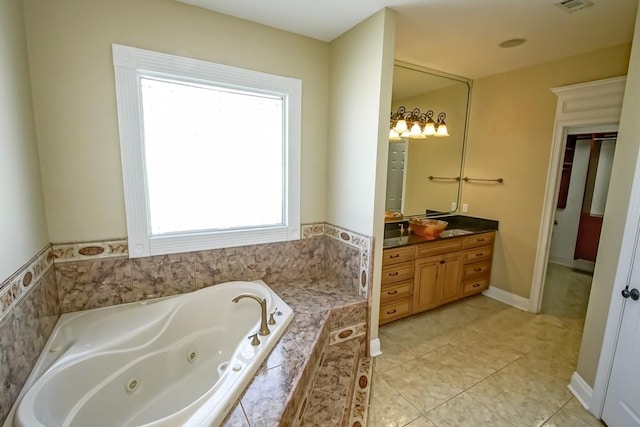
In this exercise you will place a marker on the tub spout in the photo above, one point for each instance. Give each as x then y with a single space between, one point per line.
264 329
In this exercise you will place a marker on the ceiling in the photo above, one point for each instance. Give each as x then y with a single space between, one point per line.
460 37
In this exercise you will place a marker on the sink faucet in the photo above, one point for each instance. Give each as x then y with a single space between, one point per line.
264 329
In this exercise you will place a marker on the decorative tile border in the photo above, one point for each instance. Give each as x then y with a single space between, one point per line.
360 404
347 333
16 286
68 252
312 230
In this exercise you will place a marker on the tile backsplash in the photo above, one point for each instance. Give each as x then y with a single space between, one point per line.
98 274
29 309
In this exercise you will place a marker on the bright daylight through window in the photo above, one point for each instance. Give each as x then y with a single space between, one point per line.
210 153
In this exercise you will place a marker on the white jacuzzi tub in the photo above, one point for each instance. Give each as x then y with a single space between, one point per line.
174 361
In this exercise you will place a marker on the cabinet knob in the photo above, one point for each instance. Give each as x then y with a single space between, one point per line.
393 292
442 261
394 256
480 254
391 311
477 269
395 273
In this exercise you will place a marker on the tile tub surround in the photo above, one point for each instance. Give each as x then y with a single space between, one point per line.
285 382
30 309
98 274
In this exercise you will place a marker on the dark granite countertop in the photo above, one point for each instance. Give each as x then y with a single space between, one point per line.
397 234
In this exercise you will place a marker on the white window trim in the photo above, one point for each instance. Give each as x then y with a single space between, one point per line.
130 63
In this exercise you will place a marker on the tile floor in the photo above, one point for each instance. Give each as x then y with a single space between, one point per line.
479 362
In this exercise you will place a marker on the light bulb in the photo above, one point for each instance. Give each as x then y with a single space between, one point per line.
429 128
401 127
442 130
393 135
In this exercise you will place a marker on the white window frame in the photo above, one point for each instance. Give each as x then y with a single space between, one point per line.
130 65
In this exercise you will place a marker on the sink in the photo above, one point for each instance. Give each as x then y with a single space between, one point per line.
455 232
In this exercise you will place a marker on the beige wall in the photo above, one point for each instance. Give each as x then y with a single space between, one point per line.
359 133
74 96
510 133
23 229
613 228
353 124
435 156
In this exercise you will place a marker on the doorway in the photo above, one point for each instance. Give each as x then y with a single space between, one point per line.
582 194
584 182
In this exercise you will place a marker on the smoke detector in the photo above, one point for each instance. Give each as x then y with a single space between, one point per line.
574 5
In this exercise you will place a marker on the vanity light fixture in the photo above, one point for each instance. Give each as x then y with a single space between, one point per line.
422 124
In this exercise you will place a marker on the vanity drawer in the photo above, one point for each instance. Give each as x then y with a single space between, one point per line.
397 272
477 254
475 286
397 255
437 248
475 270
485 239
395 310
396 291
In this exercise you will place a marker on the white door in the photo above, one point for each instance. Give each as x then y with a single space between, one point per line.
622 402
395 176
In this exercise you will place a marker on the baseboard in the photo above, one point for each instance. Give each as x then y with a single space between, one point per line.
508 298
374 347
581 390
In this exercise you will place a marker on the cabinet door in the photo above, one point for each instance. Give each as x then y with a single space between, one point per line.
449 277
425 284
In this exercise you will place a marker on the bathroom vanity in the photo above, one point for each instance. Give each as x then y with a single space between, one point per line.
420 274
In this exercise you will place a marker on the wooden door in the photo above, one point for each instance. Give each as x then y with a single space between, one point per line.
595 195
449 275
436 281
425 287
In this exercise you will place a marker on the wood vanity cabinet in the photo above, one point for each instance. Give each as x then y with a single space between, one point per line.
424 276
397 283
437 277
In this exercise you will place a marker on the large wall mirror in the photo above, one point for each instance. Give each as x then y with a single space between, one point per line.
424 173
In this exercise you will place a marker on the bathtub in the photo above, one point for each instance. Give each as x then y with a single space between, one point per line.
174 361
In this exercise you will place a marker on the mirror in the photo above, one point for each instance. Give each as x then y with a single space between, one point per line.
425 174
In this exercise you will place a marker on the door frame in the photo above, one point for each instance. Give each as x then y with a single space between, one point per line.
583 106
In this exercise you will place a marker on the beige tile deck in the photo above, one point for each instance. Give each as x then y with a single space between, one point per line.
478 362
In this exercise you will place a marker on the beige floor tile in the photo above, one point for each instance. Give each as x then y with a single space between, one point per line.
392 355
457 367
479 362
464 411
420 422
485 347
424 388
420 334
521 397
388 407
573 414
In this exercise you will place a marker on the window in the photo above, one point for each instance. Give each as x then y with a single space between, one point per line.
210 153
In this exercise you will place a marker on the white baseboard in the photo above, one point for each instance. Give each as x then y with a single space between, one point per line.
581 390
374 347
508 298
